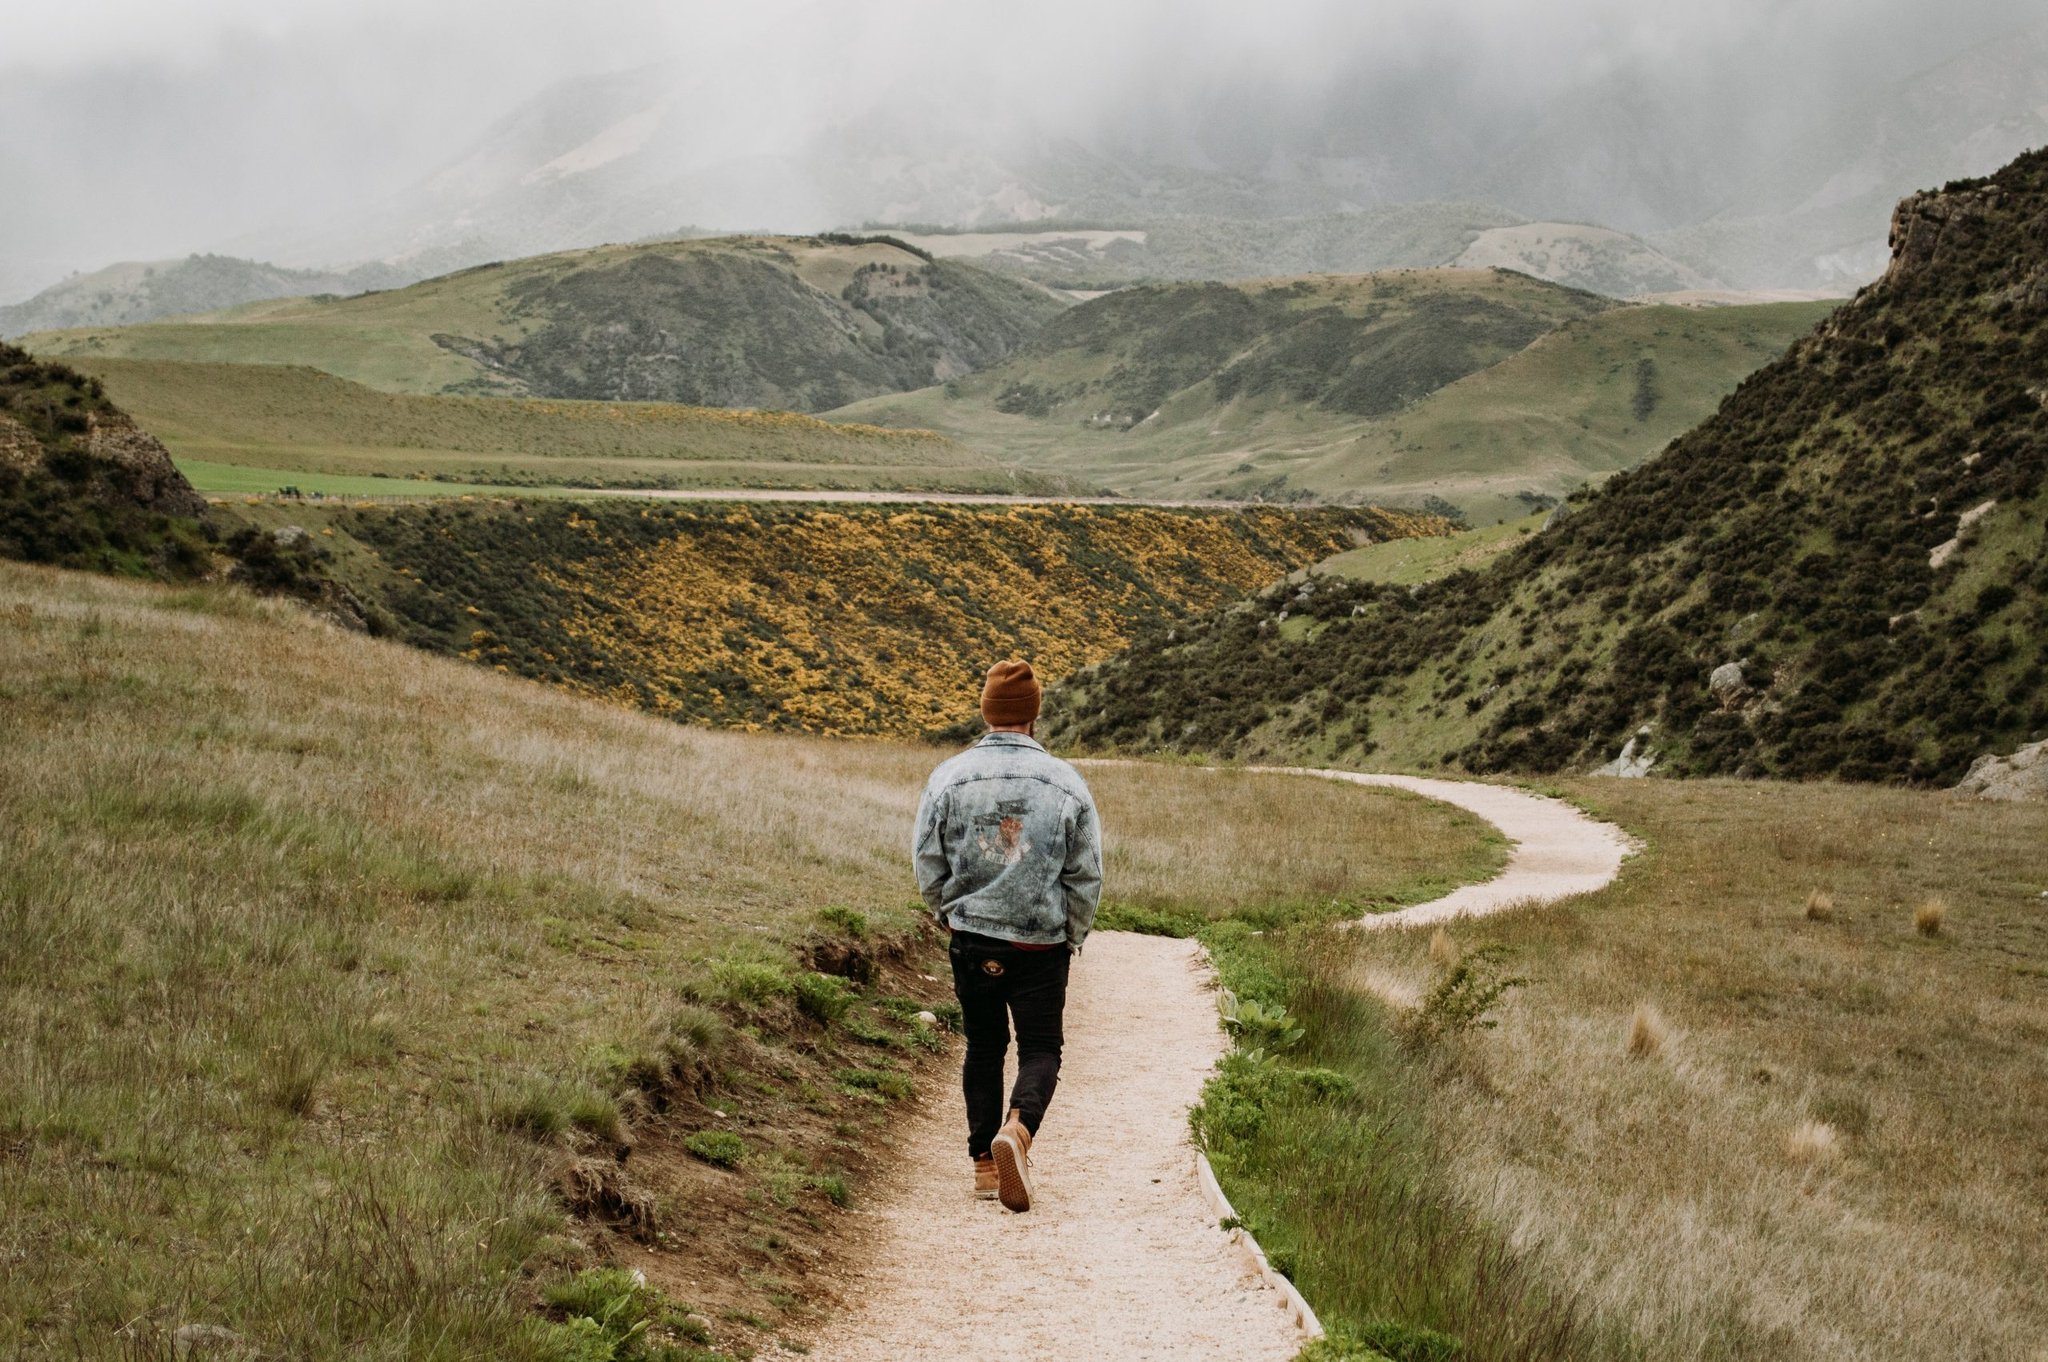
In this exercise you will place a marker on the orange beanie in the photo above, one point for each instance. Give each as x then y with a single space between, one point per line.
1010 695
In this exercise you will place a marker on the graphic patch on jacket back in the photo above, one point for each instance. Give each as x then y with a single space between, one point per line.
1000 835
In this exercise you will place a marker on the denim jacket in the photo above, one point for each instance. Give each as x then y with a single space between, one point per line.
1006 844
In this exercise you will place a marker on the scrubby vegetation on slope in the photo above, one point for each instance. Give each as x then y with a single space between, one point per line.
788 322
870 620
283 422
1858 531
363 1005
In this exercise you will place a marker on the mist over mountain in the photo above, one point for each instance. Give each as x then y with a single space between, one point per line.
1759 145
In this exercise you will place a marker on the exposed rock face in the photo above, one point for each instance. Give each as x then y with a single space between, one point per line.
135 466
1635 760
2023 775
1726 684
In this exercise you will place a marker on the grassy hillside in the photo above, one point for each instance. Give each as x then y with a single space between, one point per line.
1816 1120
1474 387
868 620
789 322
342 981
277 424
1856 537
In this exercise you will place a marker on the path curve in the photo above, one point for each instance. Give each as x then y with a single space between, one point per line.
1122 1257
1559 851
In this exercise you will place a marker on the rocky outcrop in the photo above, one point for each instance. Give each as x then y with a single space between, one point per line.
2023 775
1635 761
132 465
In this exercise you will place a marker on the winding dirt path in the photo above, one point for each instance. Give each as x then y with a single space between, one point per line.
1121 1258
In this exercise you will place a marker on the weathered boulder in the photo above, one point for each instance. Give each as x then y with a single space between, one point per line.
290 536
1726 684
2023 775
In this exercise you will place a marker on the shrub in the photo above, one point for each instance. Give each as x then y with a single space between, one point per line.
851 921
720 1148
605 1311
1252 1023
822 997
1464 996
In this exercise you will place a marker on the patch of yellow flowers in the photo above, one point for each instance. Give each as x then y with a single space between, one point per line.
882 622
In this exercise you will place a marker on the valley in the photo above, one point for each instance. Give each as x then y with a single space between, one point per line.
1487 391
1561 686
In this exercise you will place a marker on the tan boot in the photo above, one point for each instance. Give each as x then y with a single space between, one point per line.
985 1182
1012 1154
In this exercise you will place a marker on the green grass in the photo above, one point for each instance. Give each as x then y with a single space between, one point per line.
1540 419
738 321
1409 562
236 479
239 426
338 975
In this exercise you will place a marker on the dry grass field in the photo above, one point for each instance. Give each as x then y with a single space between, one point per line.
341 981
1777 1093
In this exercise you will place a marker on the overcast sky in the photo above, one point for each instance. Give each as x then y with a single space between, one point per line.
148 128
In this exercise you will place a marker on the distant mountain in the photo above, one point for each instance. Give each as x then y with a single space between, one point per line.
1816 217
1840 573
1485 390
1713 167
786 322
143 291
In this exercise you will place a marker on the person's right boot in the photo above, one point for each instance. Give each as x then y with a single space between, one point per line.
1012 1153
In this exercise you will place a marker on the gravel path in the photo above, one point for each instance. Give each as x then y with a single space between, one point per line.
1559 851
1120 1258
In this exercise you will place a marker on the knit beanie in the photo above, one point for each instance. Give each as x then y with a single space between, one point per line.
1010 695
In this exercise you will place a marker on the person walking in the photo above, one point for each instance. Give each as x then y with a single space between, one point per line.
1009 859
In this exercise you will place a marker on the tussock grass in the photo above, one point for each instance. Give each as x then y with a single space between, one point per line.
1820 906
1443 952
1930 917
1647 1032
1813 1142
1926 1067
325 956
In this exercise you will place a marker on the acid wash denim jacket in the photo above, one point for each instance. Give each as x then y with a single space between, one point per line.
1006 844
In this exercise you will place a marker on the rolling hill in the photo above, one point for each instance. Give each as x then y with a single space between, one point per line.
143 291
237 427
787 322
1841 573
1484 389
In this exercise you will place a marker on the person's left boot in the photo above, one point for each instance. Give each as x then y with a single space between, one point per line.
985 1181
1012 1154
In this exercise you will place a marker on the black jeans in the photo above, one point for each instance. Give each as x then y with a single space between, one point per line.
996 983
